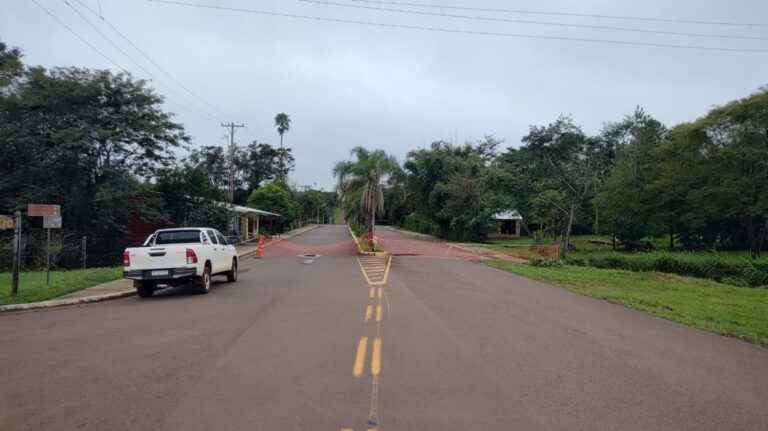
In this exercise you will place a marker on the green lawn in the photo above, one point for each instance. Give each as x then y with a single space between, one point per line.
32 286
719 308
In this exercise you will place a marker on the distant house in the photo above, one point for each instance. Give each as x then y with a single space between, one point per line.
248 222
507 225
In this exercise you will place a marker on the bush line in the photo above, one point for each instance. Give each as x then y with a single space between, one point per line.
745 274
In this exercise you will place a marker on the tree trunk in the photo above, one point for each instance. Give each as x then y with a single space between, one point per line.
671 238
756 239
281 156
597 221
567 246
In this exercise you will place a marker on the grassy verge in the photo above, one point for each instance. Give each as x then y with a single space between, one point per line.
699 264
32 286
705 304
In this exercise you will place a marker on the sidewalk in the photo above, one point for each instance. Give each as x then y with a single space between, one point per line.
122 287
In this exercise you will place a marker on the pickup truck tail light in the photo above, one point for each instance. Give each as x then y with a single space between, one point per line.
191 256
126 259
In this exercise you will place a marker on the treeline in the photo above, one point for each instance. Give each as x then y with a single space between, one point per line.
703 184
100 145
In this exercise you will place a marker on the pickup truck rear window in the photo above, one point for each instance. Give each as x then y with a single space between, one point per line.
178 237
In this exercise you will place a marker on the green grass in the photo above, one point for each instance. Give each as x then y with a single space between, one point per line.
719 308
32 286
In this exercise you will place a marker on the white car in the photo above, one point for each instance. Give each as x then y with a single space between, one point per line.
180 256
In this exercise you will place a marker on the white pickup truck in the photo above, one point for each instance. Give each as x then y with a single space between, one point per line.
180 256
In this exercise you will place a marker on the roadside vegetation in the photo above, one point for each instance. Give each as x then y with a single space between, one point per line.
103 147
640 184
715 307
62 282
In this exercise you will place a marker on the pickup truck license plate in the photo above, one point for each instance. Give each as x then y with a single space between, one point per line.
163 272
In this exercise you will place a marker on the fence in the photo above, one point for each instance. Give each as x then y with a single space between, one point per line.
67 250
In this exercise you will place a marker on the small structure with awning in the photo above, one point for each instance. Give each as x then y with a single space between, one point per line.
507 225
250 221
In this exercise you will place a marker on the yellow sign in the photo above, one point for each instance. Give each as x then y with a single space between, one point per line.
6 222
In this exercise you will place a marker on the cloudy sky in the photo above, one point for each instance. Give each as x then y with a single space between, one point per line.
347 84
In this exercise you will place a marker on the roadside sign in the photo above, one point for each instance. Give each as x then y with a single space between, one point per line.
52 222
6 222
40 210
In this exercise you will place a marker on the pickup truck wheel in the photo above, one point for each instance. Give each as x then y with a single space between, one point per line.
203 283
232 274
145 289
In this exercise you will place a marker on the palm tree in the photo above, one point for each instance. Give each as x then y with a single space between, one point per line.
283 124
363 177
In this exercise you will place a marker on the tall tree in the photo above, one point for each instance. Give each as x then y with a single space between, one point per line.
718 165
627 199
453 188
69 133
283 124
362 178
277 198
212 160
261 162
568 162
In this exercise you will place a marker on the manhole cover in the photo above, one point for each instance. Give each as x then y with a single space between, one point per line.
308 258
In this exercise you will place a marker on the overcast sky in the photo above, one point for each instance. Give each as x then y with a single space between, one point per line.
398 89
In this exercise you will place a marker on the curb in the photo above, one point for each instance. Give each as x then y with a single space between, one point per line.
51 303
280 239
360 249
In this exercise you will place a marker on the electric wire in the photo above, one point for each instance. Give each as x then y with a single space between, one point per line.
451 30
106 57
580 15
116 30
87 21
547 23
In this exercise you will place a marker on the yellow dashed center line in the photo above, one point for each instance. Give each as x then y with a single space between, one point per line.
376 357
373 292
368 311
362 346
378 313
381 290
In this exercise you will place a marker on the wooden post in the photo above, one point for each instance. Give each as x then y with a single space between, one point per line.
48 259
16 253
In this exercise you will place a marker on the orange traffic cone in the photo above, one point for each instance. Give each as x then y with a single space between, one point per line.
258 249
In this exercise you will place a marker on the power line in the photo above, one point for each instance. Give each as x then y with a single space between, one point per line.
521 21
449 30
151 60
581 15
55 18
137 63
77 35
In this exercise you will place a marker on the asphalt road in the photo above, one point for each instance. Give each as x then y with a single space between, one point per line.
448 344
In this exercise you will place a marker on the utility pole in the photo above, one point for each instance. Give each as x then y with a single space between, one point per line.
232 127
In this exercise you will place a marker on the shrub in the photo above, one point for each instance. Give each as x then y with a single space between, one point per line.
544 262
736 274
418 223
